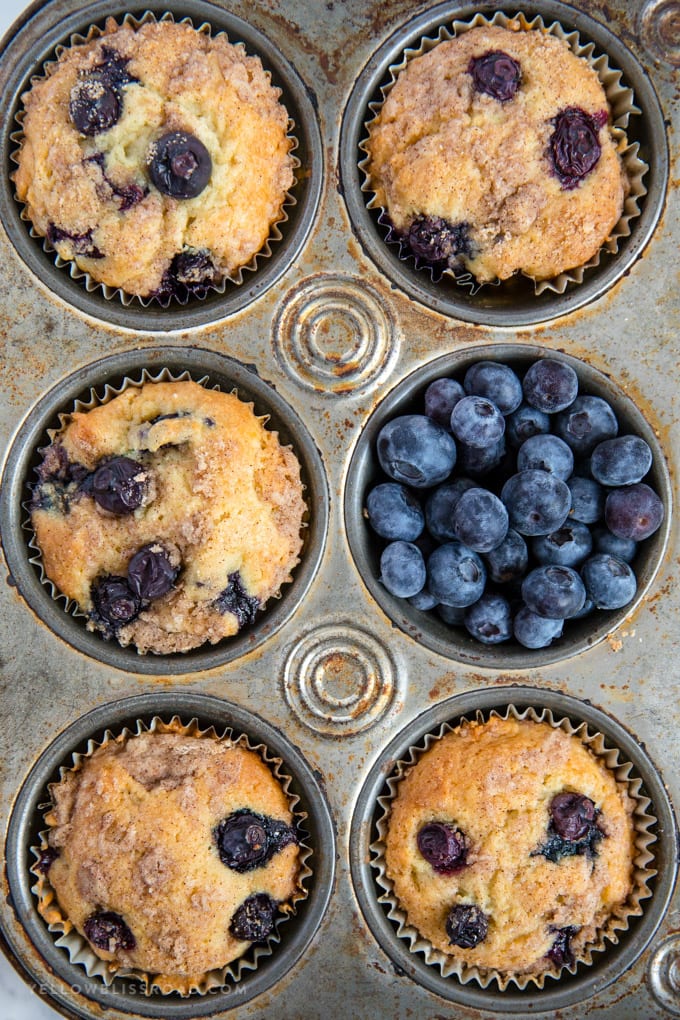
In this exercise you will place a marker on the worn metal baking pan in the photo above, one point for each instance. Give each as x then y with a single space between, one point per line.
330 329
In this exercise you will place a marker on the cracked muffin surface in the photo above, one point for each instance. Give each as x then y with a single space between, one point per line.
156 158
493 153
170 515
136 864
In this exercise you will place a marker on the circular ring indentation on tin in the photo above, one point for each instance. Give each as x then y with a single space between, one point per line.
339 679
663 974
606 966
34 44
426 627
215 370
49 966
513 303
334 334
660 30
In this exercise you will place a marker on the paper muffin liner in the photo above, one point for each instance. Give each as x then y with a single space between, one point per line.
86 279
77 947
97 397
643 819
621 102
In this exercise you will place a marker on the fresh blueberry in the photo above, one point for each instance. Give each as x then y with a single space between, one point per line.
569 546
234 599
120 485
497 382
546 453
179 165
439 507
587 422
394 512
550 386
443 846
489 619
466 925
481 461
537 502
476 421
114 601
574 148
525 422
553 591
609 582
534 631
247 840
435 241
560 951
480 520
633 512
441 396
415 450
423 600
621 461
587 499
454 616
496 74
456 575
587 608
108 931
402 569
253 921
150 572
509 560
605 542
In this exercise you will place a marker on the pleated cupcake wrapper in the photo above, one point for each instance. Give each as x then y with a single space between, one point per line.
643 870
96 398
621 102
111 293
76 945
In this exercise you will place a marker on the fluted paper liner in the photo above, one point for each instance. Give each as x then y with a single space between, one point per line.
110 293
97 398
77 947
617 923
621 102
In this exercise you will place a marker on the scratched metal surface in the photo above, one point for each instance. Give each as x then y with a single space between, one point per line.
371 679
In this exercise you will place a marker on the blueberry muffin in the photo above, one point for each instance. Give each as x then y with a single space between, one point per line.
170 854
169 515
510 846
493 153
156 158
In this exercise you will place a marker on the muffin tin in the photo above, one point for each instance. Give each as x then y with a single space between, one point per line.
328 336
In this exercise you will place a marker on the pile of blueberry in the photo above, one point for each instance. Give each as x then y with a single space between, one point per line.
512 504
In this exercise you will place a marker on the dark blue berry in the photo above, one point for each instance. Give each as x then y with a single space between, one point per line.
574 148
423 600
454 616
402 569
572 830
509 560
609 582
435 241
394 512
81 244
47 858
247 840
560 952
456 575
496 74
253 921
120 485
634 512
480 520
621 461
95 105
443 846
191 273
587 422
476 421
569 546
605 542
179 165
537 502
150 572
587 499
108 931
546 453
534 631
441 396
234 599
554 591
115 604
489 620
480 461
414 450
550 385
497 382
466 925
524 423
129 194
439 507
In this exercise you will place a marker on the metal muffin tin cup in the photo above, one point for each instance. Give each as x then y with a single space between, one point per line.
65 981
220 371
608 965
513 302
425 627
34 44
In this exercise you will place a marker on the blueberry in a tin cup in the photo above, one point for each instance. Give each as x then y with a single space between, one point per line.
493 154
155 157
137 863
509 847
169 515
